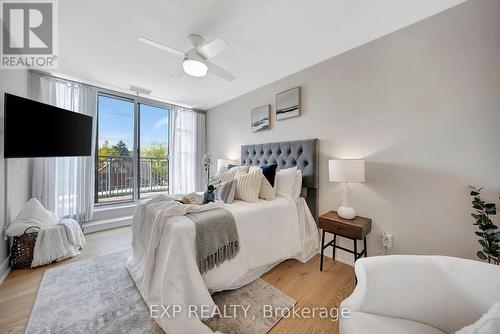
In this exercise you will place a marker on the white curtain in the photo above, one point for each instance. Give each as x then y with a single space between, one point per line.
187 147
65 185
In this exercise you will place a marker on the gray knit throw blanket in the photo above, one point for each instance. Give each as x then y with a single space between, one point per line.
216 237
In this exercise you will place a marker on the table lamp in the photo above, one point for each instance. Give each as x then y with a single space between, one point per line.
346 171
221 163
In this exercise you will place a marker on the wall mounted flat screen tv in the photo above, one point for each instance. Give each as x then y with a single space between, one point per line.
33 129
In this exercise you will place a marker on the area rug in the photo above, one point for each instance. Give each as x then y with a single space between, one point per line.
99 296
258 298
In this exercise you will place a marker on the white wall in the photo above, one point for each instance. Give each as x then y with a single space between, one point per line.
19 170
421 105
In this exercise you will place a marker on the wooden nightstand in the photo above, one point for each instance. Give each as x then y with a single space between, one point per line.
354 229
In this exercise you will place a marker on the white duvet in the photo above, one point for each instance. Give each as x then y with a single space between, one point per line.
164 265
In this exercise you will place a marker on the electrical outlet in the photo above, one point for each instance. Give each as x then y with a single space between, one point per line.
387 241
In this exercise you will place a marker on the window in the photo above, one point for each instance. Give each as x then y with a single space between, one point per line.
153 167
132 149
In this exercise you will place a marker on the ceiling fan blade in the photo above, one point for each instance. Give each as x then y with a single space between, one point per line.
220 72
213 48
161 46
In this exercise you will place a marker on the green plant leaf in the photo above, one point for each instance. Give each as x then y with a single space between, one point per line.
476 216
487 250
481 255
491 211
474 193
490 205
483 243
480 234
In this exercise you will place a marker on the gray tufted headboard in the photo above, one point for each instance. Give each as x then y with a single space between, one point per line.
301 153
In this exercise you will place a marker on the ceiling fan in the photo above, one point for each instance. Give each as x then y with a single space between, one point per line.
195 61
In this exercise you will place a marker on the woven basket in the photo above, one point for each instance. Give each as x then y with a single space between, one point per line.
21 253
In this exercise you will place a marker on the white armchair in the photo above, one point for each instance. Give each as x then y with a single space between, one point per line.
419 294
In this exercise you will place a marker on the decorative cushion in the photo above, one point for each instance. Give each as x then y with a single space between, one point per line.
241 170
226 191
253 168
32 214
223 168
269 172
227 175
248 186
488 323
232 173
285 182
294 168
267 189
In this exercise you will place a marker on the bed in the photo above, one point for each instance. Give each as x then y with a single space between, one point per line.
163 264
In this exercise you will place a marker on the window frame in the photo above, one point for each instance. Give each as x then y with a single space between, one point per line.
136 100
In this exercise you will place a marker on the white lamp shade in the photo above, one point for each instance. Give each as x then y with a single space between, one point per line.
349 171
221 163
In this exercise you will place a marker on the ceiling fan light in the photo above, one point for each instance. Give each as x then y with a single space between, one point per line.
194 68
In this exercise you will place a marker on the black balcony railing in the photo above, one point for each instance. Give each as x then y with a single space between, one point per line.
115 177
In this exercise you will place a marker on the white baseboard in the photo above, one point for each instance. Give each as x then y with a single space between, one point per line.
340 256
106 224
4 269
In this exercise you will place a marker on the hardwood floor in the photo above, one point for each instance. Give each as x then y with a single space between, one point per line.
301 281
312 289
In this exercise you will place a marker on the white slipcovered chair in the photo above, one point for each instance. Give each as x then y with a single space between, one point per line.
419 294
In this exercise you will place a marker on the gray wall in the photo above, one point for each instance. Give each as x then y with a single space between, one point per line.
421 105
19 176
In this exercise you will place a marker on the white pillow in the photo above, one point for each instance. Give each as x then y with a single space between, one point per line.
253 168
241 170
226 191
285 182
294 168
248 186
32 214
267 191
298 185
489 323
226 175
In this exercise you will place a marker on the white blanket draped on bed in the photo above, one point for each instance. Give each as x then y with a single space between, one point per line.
164 263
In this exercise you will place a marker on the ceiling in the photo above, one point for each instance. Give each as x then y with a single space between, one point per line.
269 39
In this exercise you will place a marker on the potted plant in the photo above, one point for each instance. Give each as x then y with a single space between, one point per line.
209 195
487 231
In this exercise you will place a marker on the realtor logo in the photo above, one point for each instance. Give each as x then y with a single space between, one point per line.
28 34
